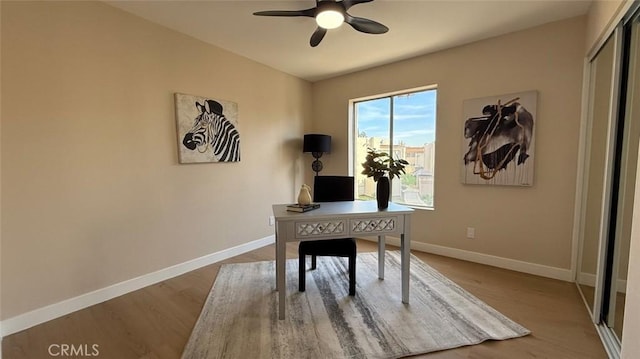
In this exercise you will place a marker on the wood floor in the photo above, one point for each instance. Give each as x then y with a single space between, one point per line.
156 321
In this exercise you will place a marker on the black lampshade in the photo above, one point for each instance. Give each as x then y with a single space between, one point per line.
316 143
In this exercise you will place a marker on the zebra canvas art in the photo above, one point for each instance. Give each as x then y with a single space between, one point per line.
207 129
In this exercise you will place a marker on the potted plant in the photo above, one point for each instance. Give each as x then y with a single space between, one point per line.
382 167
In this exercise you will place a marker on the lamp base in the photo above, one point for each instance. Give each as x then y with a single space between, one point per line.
316 165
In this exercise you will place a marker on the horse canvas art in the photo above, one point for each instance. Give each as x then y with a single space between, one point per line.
498 139
207 129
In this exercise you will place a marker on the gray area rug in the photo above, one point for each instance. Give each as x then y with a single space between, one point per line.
239 318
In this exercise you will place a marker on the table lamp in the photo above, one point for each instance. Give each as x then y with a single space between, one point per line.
317 145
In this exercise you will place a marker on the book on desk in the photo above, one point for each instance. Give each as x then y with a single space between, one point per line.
302 207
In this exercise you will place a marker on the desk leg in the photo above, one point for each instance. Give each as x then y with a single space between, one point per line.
281 284
405 255
277 263
381 249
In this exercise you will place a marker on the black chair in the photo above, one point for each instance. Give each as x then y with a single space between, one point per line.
330 189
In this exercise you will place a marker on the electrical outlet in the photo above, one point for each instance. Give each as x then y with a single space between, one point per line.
272 220
471 233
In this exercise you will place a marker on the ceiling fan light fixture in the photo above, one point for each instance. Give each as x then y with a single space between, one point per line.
329 19
330 14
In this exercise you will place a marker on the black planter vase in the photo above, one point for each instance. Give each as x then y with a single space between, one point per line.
382 192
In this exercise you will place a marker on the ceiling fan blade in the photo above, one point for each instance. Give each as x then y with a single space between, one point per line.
349 3
365 25
317 36
308 12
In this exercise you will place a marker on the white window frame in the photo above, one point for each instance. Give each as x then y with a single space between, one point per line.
355 168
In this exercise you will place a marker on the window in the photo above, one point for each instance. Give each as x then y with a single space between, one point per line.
402 124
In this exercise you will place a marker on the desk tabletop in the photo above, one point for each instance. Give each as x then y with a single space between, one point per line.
342 208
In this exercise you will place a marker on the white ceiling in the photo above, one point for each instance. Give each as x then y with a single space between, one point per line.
416 27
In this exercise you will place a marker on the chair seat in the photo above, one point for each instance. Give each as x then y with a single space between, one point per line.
333 247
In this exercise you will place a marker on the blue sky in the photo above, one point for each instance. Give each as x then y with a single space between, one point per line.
414 117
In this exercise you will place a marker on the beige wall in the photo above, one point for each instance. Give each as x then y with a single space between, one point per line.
600 18
526 224
631 329
92 192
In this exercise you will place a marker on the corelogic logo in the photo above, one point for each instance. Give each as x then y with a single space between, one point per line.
72 350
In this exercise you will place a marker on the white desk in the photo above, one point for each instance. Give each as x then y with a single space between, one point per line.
342 220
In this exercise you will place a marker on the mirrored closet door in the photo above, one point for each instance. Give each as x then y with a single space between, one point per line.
626 166
611 160
598 160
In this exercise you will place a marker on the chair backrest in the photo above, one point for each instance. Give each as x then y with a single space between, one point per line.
333 188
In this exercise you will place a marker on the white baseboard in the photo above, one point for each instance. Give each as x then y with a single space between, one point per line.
589 279
53 311
500 262
56 310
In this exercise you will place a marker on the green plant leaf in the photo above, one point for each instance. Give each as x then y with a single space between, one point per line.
378 164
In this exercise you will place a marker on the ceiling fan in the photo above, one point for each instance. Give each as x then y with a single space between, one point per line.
330 14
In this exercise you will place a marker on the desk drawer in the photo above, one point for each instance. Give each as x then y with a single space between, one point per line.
319 229
376 226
